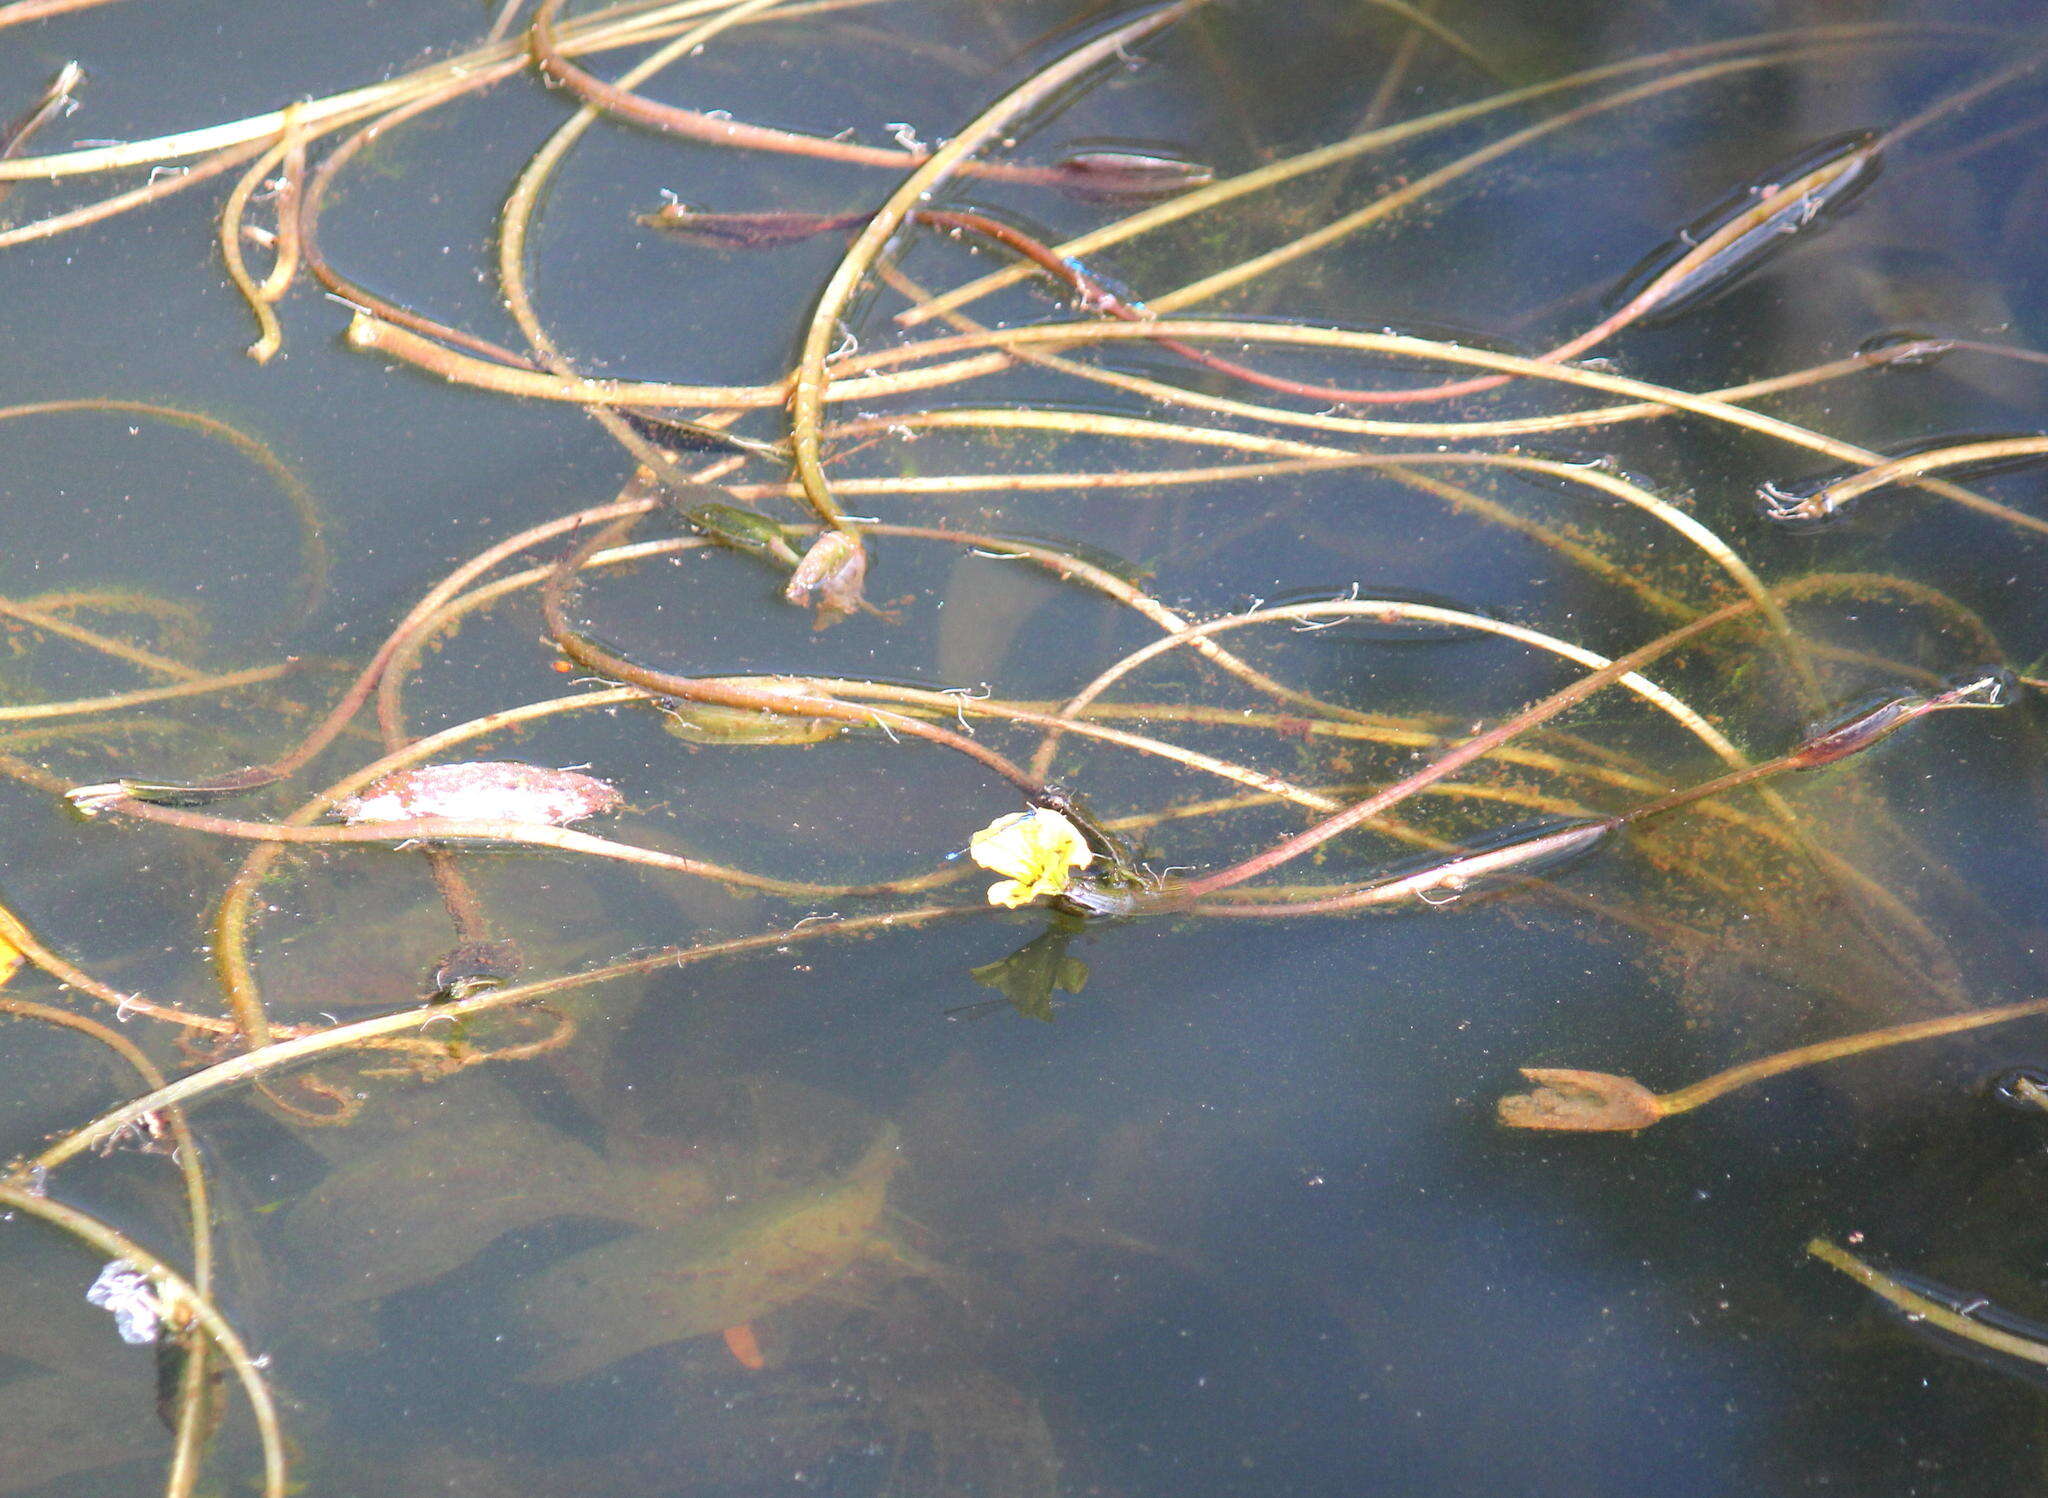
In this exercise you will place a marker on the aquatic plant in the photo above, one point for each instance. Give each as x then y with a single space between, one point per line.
1408 805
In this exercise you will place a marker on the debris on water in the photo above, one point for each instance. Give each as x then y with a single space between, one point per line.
2023 1086
473 966
829 576
128 1295
486 791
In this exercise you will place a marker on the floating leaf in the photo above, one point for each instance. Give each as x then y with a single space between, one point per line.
10 960
1029 976
743 530
53 103
674 435
708 723
1038 850
91 800
744 231
1113 172
487 791
1796 197
1952 1319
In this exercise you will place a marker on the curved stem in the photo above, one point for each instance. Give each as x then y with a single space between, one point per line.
1402 346
451 829
1919 1308
1391 611
314 559
314 201
180 1292
227 681
1272 174
619 101
587 653
155 190
270 335
807 400
15 932
1454 759
524 200
1721 1083
250 1066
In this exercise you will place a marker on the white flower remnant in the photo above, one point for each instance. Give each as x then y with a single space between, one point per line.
128 1295
489 791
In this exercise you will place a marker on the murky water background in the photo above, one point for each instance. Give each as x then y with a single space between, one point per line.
1238 1220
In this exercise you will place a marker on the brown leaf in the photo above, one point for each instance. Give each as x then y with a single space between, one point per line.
487 791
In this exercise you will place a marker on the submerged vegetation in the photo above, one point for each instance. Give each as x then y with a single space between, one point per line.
1700 792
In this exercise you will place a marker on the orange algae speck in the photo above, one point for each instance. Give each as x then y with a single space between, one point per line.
741 1342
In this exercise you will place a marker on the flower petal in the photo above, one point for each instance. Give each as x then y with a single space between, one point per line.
1009 892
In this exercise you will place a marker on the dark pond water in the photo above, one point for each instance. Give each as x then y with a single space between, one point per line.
1169 1205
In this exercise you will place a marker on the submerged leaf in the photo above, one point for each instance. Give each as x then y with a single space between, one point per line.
1029 976
693 1280
745 1347
64 1424
448 1172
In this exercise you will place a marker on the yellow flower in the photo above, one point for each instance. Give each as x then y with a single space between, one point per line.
1039 851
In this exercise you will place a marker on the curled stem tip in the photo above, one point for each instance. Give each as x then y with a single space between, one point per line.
1591 1100
1581 1102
